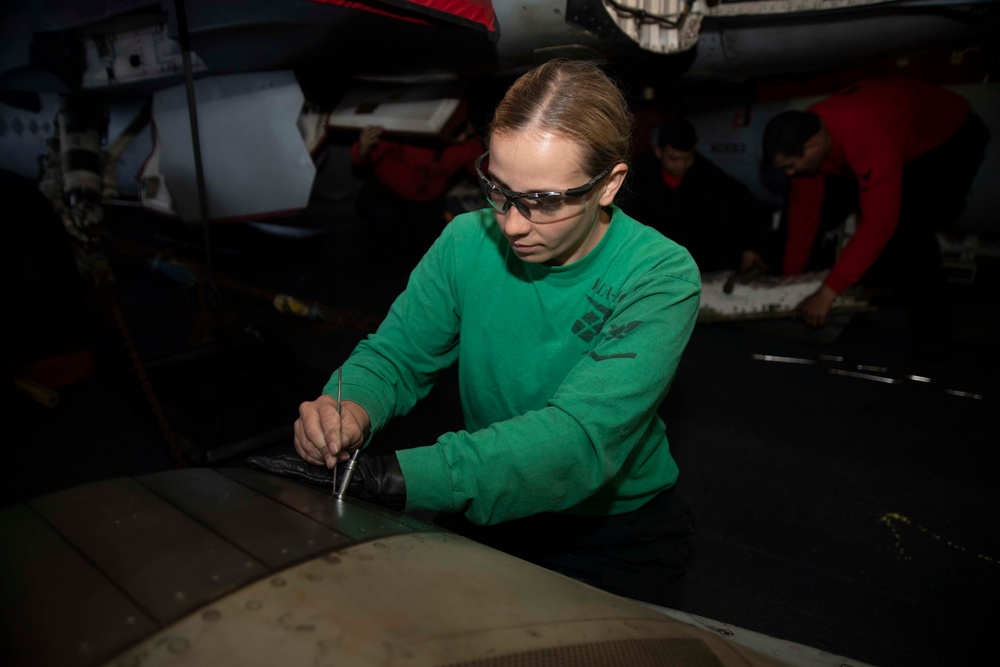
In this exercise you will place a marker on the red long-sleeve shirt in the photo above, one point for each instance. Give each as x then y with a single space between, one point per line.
419 172
877 127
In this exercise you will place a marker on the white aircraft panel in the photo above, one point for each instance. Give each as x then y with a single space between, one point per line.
404 109
23 134
253 157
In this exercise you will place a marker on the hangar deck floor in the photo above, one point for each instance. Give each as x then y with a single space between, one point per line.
856 516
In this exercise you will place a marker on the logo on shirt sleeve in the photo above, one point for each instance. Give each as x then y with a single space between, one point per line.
590 325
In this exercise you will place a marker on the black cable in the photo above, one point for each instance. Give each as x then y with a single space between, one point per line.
215 296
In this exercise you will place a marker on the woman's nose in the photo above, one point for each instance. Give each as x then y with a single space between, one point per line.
514 223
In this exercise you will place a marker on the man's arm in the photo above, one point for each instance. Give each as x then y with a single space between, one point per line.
805 206
877 222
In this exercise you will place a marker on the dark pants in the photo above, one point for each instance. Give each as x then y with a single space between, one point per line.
642 554
935 189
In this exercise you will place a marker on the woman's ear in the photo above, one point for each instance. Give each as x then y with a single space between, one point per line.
613 183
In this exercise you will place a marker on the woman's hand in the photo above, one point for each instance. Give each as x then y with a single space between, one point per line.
323 436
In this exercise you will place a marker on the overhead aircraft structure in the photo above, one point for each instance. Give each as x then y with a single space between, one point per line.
211 111
60 46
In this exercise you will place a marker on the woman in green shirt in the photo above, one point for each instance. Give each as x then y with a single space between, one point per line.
567 320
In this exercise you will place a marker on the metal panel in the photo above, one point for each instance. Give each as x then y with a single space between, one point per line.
41 573
425 600
422 109
24 133
166 561
357 520
272 533
255 160
418 597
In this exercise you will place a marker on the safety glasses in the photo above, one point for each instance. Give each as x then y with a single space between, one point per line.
538 207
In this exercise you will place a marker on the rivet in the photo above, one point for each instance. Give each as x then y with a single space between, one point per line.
177 645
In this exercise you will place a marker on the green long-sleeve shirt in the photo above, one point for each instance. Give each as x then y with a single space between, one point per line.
561 371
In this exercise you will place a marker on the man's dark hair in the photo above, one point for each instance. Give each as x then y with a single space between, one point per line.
787 133
677 133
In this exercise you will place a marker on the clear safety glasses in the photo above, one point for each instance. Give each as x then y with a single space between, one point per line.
538 207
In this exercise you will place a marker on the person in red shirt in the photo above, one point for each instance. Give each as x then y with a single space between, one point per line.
913 149
402 199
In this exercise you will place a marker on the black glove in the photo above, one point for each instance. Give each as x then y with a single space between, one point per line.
376 479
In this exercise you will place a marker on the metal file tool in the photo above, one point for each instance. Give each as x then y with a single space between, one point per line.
340 415
349 468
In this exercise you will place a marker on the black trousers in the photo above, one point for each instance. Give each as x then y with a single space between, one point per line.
643 554
935 189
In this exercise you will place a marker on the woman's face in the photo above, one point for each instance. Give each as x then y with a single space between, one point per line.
542 162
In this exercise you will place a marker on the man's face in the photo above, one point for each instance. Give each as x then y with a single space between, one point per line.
675 162
807 164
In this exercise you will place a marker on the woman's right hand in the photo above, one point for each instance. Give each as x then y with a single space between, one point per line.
321 438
